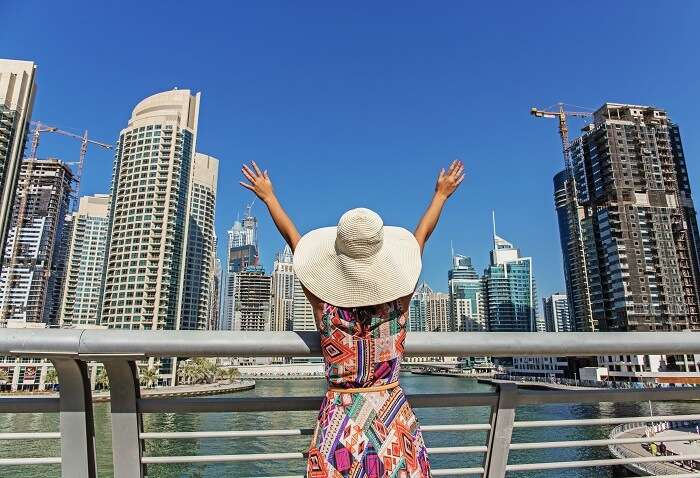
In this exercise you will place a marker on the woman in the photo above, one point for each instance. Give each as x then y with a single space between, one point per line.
359 278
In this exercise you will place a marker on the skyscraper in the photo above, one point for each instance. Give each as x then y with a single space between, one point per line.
252 300
418 308
466 296
282 298
149 215
215 296
556 313
201 245
17 89
82 286
569 213
242 253
302 313
30 287
58 270
510 292
437 317
638 224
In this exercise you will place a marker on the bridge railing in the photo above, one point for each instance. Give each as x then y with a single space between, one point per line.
120 351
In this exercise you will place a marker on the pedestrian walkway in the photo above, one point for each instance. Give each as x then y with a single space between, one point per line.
689 446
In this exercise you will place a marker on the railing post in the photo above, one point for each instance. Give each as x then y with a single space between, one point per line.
498 441
76 420
127 425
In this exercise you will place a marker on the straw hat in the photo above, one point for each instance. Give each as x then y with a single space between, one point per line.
361 262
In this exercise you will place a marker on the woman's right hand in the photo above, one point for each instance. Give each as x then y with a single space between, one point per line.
260 182
448 181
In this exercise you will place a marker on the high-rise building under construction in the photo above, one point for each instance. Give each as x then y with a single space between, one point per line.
626 205
31 280
242 252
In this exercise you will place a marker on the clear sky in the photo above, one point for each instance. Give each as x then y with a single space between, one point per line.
360 103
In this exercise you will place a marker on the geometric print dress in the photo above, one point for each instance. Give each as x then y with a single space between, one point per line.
374 433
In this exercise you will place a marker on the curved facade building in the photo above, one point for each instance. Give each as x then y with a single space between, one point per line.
150 214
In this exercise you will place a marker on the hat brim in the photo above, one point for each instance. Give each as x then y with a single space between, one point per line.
344 281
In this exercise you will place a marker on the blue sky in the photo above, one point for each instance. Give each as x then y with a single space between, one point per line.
360 103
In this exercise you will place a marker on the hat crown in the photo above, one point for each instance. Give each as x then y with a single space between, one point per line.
360 233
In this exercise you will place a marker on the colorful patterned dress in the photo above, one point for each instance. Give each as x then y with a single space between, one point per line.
372 434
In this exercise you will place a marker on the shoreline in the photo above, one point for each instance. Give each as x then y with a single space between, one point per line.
163 392
453 374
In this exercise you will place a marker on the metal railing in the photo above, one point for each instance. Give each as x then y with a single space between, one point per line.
120 350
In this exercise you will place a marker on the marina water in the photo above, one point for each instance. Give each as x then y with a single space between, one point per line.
413 384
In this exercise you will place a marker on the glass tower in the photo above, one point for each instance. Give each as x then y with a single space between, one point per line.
510 290
466 296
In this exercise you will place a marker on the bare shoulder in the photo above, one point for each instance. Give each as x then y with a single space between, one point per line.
316 303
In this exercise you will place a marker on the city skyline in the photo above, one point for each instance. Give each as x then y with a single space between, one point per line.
397 90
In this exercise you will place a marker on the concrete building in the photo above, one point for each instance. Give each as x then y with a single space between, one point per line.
29 289
17 90
82 286
302 313
252 300
242 252
149 214
544 367
556 313
509 290
466 290
215 296
638 224
201 245
437 318
282 294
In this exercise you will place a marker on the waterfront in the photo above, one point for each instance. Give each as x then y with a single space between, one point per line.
412 384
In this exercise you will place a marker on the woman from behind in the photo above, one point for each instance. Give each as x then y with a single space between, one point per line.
359 278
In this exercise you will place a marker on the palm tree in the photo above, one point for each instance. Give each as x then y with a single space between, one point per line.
102 380
232 374
51 376
186 372
148 376
204 370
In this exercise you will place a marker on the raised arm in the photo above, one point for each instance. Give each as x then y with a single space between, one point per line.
261 185
447 183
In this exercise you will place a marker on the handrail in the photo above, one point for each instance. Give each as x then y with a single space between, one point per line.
120 351
99 344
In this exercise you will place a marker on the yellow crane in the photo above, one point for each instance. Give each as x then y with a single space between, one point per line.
40 128
561 114
84 142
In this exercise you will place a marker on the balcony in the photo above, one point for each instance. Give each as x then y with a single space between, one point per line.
119 351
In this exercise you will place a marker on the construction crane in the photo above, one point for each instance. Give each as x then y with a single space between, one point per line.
40 128
562 116
84 142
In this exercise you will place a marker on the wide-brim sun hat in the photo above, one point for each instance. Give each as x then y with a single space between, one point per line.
360 262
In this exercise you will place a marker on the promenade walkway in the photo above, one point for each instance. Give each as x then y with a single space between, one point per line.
536 385
678 441
158 392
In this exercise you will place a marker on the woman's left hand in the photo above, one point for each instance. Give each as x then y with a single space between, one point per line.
260 182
